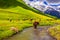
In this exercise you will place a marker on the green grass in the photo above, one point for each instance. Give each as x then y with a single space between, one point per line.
55 32
20 14
6 25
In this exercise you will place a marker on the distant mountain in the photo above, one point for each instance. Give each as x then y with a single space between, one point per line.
45 7
53 12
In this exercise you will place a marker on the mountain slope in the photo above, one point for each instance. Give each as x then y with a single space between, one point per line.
15 13
22 11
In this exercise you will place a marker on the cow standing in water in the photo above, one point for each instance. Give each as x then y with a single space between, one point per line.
35 24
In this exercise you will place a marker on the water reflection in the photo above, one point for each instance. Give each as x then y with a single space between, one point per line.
36 33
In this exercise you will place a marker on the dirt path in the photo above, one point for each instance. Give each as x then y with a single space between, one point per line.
31 34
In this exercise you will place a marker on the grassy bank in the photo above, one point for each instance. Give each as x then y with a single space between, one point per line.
5 27
55 32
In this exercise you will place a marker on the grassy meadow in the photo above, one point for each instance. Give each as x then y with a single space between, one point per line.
15 13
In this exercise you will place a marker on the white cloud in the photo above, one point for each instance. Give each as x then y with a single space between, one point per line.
53 1
40 5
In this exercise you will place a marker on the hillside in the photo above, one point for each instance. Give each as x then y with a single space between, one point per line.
15 13
45 6
20 8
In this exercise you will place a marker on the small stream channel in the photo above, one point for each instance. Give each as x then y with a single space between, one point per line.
33 34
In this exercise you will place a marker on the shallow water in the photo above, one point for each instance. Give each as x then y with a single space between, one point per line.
33 34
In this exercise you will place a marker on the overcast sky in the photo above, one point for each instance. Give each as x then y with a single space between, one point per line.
43 4
53 1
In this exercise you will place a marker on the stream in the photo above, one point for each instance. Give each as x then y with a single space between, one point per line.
41 33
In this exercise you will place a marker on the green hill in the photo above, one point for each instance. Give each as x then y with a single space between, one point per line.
20 14
18 7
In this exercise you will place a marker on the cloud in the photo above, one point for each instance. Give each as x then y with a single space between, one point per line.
43 5
35 0
53 1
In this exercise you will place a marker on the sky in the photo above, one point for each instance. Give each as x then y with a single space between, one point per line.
39 4
53 1
48 1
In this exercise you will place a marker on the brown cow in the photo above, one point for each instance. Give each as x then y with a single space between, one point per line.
35 24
